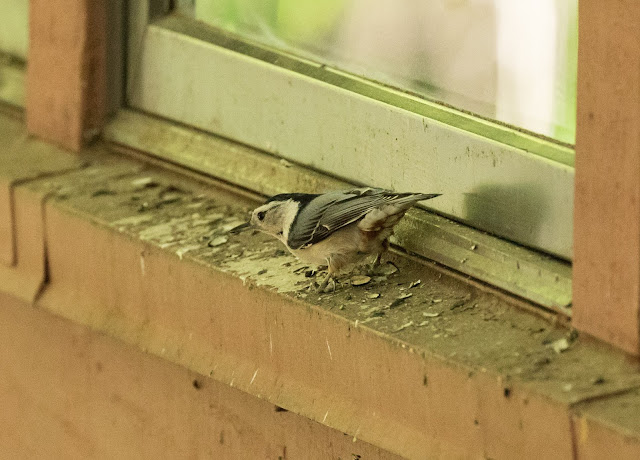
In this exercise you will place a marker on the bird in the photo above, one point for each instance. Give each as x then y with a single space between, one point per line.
338 228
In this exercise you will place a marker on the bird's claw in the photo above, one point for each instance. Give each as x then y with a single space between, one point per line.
373 268
328 281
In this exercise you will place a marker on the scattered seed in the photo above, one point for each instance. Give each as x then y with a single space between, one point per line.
560 345
474 247
436 300
172 189
214 217
403 327
182 251
387 269
144 182
399 300
371 318
219 241
170 198
231 225
414 284
285 163
423 323
374 312
360 280
310 273
428 314
373 295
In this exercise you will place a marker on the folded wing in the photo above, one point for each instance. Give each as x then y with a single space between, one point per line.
331 211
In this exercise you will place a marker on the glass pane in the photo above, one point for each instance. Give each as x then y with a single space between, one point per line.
14 30
510 61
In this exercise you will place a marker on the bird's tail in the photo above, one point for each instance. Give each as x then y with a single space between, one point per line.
409 199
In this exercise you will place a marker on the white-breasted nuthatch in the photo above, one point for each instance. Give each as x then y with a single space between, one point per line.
337 228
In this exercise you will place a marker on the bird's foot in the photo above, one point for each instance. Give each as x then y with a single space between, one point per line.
375 266
328 282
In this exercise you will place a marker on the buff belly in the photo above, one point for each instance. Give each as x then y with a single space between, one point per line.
343 248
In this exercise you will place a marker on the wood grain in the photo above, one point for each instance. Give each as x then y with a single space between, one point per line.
607 187
66 79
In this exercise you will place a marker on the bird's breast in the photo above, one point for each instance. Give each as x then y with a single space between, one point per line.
348 243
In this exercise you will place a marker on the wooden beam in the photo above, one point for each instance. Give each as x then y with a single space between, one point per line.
607 187
66 79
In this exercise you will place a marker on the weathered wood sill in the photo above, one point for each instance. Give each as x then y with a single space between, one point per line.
452 371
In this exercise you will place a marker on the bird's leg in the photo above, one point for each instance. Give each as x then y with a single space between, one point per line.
330 278
376 263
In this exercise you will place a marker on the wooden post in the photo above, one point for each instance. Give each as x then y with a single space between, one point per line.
606 276
66 80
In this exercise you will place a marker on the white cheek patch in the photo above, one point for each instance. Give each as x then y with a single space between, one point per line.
289 212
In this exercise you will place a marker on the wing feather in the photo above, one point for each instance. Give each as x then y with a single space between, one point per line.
334 210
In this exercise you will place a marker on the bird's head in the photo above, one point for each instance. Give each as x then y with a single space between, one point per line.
274 217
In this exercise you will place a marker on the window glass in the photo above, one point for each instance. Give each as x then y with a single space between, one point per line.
14 30
514 62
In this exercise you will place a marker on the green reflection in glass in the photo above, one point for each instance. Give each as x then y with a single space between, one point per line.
514 62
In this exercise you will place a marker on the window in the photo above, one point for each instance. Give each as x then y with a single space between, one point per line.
14 34
512 62
289 79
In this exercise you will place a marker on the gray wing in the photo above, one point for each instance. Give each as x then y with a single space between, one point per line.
331 211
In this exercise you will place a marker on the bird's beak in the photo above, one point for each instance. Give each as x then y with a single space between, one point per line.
240 228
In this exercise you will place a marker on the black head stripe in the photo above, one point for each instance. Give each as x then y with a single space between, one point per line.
302 198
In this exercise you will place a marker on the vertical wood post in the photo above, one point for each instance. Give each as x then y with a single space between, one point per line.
66 80
606 271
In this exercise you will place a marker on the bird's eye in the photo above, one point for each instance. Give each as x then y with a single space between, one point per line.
260 215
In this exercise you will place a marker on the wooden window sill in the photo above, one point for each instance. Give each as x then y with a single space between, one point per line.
453 370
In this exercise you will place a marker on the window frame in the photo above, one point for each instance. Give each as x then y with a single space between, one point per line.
496 397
